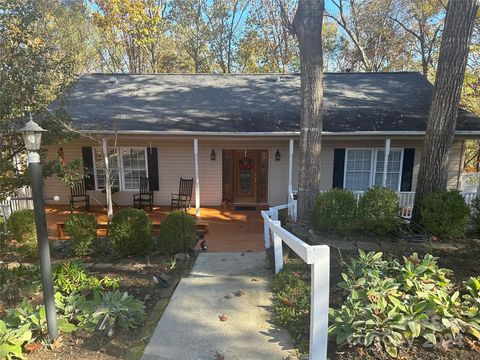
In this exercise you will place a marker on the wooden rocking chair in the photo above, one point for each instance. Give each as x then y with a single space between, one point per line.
183 200
145 196
78 195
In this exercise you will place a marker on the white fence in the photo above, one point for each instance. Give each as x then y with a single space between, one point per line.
319 258
13 204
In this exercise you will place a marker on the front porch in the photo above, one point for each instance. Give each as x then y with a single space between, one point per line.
230 230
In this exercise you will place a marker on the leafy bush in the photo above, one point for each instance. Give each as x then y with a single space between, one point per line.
11 341
334 210
291 303
390 303
130 232
177 233
475 213
82 229
444 214
113 309
378 209
21 224
73 277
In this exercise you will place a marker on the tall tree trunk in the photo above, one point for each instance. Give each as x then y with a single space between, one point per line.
442 118
307 25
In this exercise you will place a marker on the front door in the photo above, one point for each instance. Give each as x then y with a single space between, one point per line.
245 176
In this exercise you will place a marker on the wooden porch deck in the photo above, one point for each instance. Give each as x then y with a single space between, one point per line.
229 229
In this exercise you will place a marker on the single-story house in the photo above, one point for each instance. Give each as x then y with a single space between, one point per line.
238 135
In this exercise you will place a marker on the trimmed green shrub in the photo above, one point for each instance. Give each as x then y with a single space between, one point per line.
130 232
444 214
334 211
177 233
82 229
21 224
291 302
475 213
378 209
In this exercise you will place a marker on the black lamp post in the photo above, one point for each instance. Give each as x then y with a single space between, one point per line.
32 135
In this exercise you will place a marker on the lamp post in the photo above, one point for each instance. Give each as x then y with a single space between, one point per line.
32 135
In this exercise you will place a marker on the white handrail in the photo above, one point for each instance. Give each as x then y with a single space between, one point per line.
318 257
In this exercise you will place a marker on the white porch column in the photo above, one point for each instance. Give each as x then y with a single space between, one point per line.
197 180
385 162
290 166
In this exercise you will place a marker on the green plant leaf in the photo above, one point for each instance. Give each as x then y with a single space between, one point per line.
415 328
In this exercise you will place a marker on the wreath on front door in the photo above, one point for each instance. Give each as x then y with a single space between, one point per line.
246 166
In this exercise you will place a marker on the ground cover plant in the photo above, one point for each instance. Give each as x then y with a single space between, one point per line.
387 306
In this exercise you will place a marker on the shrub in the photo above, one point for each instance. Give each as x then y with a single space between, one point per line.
82 229
177 233
21 224
391 303
334 210
444 214
74 277
130 232
291 302
475 213
378 209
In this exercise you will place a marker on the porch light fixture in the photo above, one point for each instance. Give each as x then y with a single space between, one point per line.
213 155
277 156
32 135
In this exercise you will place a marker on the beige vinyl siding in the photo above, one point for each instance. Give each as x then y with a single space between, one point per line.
176 159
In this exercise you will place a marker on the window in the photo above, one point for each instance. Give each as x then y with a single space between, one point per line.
394 167
127 165
358 169
134 164
364 168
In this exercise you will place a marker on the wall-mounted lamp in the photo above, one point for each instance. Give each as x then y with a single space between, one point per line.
213 156
277 156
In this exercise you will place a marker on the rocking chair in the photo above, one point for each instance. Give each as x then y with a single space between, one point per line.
183 200
78 195
145 196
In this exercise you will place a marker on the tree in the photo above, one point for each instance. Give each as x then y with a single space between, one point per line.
442 117
192 32
36 66
423 21
307 25
376 41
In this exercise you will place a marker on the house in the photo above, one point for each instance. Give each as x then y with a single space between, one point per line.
238 135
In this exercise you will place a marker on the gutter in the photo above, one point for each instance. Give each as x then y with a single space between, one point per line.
273 134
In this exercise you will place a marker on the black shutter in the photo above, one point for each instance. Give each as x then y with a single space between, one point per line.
89 179
407 169
338 167
152 159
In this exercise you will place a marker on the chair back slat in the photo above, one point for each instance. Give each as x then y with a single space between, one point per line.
144 185
78 189
185 188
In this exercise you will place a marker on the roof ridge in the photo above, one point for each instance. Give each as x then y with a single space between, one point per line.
254 74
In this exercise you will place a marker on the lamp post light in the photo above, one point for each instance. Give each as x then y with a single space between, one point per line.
32 135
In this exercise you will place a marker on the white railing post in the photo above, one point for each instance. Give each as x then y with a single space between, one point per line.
266 234
277 248
197 179
320 273
274 214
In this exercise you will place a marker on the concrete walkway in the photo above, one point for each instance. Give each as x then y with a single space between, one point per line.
236 285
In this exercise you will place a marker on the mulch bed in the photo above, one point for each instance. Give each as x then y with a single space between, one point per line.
136 275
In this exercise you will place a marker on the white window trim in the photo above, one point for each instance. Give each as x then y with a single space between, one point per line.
121 173
373 164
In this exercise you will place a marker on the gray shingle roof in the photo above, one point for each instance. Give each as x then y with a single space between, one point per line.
251 103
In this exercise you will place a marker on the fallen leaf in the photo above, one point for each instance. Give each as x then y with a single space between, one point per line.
57 343
228 296
239 293
473 345
219 356
222 317
30 348
254 279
